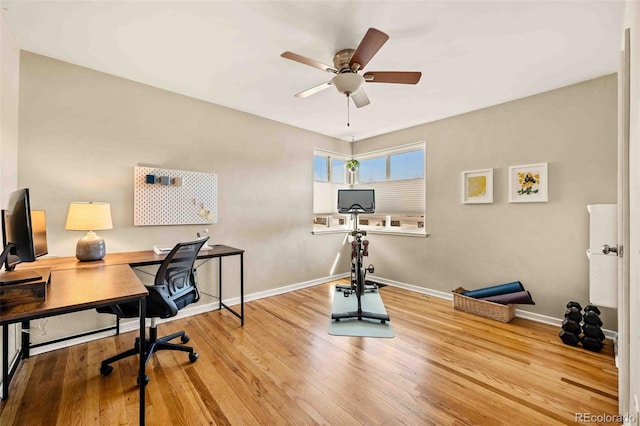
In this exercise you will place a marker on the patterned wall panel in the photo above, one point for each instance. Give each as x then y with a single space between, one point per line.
180 198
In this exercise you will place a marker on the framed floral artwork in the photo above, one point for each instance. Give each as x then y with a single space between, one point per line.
477 186
528 183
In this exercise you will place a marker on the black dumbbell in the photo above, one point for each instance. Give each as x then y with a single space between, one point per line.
571 325
569 338
591 330
574 305
591 317
592 344
593 308
573 314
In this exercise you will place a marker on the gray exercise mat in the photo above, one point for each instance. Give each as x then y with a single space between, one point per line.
371 302
519 298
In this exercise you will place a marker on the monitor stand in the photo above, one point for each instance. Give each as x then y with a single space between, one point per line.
20 277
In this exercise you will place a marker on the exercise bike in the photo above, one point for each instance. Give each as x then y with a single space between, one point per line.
356 202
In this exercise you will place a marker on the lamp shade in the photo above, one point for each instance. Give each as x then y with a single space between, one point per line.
88 216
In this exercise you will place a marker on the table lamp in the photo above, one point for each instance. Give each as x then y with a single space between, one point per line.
89 216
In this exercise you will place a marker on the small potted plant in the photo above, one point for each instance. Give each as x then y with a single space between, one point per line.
352 165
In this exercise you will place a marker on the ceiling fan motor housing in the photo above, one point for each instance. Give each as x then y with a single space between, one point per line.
342 58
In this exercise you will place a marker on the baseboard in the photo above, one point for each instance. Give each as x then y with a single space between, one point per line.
289 288
411 287
557 322
132 325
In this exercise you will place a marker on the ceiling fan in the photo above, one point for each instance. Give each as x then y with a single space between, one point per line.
347 63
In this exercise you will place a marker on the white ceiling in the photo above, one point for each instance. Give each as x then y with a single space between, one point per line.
472 54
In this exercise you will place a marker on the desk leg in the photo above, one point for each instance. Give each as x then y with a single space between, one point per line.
5 361
242 289
220 283
141 371
221 304
26 339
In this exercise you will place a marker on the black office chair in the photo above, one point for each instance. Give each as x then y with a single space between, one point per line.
173 289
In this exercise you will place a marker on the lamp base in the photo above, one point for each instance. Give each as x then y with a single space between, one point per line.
90 247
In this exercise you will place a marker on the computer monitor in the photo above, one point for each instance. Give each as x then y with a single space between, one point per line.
39 229
17 231
356 201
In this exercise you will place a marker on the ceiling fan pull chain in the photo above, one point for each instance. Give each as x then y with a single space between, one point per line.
348 124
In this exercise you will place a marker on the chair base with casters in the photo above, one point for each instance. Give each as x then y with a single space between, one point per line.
153 345
174 288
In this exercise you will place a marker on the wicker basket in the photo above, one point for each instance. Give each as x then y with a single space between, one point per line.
495 311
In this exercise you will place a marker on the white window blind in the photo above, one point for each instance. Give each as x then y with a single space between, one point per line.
398 196
325 197
325 188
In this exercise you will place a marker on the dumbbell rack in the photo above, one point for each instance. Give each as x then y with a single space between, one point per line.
584 328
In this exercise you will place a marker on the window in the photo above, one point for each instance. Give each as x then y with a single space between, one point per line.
373 170
329 175
407 165
320 168
338 170
396 174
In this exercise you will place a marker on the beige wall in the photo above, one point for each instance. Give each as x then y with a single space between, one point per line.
82 132
541 244
9 81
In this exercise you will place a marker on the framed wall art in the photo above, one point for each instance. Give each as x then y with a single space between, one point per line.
477 186
528 183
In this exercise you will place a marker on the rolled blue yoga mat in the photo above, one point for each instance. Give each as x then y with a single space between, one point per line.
517 298
495 290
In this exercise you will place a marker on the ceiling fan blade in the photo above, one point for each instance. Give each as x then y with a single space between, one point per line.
307 61
314 89
402 77
369 46
360 98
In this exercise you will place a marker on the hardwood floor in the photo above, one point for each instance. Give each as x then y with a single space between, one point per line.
443 367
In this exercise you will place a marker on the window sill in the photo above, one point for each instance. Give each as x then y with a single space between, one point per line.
328 231
405 232
408 233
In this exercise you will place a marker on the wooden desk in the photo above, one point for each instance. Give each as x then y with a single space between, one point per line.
77 289
77 286
218 251
147 258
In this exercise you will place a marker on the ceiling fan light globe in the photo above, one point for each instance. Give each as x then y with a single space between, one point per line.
347 83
